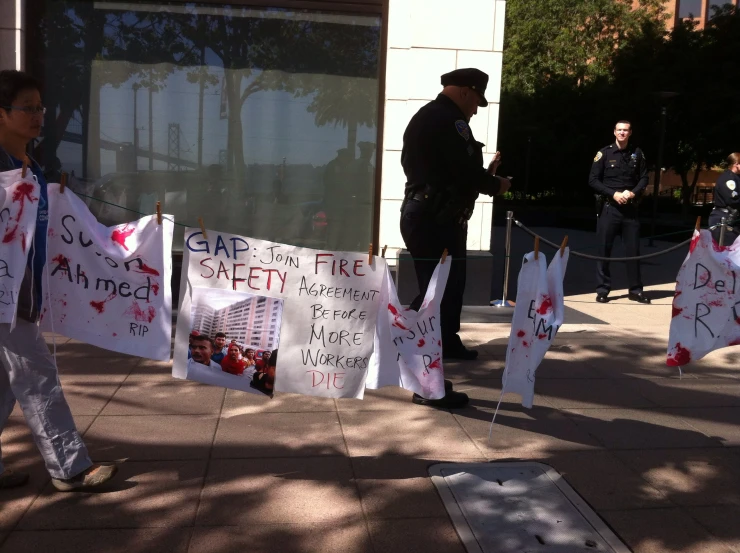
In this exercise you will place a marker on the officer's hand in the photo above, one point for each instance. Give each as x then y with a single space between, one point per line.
629 194
495 162
619 198
504 185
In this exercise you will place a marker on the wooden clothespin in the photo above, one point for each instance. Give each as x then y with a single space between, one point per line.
563 245
536 247
159 213
382 254
698 223
62 183
444 257
25 168
202 227
370 254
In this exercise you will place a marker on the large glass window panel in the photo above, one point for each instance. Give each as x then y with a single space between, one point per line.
714 5
689 8
261 121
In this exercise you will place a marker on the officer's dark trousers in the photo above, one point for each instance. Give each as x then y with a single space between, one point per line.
618 221
426 240
715 218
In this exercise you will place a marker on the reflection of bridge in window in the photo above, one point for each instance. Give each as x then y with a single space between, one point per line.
133 68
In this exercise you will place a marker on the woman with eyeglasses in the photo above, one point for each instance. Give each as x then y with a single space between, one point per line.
727 201
29 373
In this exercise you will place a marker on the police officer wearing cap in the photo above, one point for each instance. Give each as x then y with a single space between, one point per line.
619 176
727 201
444 169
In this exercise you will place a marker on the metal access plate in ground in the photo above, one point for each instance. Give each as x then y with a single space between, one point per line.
520 507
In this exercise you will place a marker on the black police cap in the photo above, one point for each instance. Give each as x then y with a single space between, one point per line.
471 78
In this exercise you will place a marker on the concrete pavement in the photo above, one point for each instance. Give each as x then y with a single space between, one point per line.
209 470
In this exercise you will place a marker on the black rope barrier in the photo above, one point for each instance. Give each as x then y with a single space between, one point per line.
599 258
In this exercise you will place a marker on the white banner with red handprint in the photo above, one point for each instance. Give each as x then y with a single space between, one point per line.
108 286
706 304
537 318
408 344
19 202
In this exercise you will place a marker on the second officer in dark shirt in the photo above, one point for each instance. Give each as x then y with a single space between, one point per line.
444 169
619 176
727 201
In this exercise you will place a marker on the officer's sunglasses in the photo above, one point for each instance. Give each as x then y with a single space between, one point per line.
28 110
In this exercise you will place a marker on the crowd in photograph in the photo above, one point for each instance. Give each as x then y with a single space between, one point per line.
233 358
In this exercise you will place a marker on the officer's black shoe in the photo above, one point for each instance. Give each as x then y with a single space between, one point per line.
463 353
452 400
602 298
639 298
448 386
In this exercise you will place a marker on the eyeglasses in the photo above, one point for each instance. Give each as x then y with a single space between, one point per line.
28 110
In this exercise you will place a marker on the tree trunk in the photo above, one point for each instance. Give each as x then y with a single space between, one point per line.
687 190
352 137
236 140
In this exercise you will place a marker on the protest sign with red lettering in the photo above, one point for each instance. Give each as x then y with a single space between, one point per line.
408 344
706 303
537 318
19 201
318 309
108 286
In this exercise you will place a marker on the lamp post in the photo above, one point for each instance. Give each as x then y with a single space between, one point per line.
663 96
135 88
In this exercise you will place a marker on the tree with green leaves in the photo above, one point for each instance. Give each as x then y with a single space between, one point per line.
573 40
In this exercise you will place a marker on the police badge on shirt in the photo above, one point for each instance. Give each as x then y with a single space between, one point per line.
462 129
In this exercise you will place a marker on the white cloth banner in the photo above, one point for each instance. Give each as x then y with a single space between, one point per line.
537 318
706 303
108 286
319 308
408 344
19 202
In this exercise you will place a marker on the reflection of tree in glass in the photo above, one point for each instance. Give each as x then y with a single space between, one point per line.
352 99
74 35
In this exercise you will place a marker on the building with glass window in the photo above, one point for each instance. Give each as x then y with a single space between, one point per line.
700 11
274 119
254 321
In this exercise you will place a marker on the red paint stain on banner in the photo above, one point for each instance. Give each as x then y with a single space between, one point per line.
155 289
20 195
546 306
694 242
676 311
119 236
140 315
396 317
542 336
735 342
146 270
520 334
717 247
436 364
681 357
525 344
99 306
421 343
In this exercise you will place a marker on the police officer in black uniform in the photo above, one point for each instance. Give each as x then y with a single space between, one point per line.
619 176
727 201
444 170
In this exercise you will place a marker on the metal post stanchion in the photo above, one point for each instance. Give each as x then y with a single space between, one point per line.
722 228
503 302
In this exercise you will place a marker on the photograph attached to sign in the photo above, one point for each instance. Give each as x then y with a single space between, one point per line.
234 338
